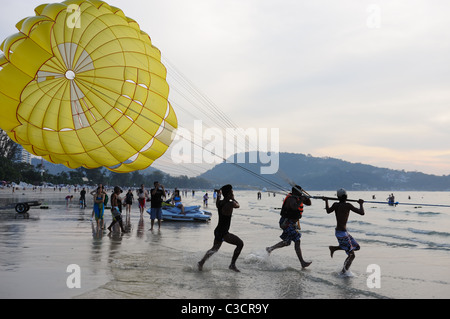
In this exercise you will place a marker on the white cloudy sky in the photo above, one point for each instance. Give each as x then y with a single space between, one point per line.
364 81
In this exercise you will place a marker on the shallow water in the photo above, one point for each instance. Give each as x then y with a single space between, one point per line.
410 245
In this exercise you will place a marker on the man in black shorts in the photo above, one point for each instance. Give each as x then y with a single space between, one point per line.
225 208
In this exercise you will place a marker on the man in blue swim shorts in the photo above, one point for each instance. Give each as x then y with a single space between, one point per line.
291 231
346 242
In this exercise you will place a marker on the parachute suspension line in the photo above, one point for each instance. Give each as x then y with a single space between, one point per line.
206 106
205 100
259 176
216 119
210 106
210 109
192 89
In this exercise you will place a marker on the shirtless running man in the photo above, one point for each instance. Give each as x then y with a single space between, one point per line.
345 240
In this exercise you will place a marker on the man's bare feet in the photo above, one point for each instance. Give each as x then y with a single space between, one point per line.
332 250
233 267
306 264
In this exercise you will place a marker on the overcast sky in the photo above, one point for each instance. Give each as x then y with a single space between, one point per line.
363 81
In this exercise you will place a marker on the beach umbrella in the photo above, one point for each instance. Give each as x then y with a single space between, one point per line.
82 85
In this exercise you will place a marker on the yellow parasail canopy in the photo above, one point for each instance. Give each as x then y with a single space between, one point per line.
82 85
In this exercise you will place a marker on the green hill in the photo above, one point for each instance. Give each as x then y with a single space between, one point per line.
325 173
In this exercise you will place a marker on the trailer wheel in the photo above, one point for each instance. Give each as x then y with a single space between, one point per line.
22 208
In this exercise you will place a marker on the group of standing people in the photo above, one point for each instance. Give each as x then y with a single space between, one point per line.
291 212
155 197
101 200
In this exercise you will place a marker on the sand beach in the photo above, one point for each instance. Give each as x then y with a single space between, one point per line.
410 245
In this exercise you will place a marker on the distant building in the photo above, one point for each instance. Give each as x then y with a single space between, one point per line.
24 156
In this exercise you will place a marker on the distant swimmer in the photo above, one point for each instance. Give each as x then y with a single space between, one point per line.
291 212
346 242
391 199
225 208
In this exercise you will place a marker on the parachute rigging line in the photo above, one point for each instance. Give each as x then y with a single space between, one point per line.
259 176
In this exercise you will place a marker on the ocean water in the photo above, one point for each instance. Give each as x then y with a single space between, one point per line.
405 252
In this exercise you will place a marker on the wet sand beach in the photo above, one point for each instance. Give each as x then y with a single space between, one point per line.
410 246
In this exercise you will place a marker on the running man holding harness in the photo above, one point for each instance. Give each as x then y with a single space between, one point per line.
291 212
221 233
345 240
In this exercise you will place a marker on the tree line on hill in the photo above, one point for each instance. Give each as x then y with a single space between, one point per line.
326 173
13 170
